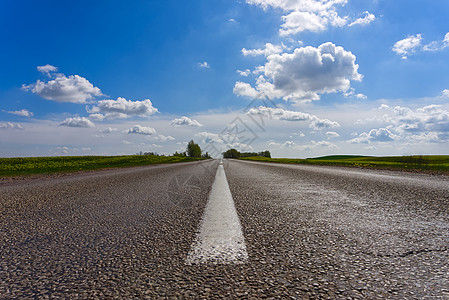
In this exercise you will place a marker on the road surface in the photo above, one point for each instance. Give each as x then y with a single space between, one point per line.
165 231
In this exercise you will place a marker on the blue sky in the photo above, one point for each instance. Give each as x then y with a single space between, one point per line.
300 78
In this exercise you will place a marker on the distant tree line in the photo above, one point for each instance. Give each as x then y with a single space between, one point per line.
233 153
193 150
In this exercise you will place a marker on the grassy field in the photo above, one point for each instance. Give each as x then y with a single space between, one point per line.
46 165
429 163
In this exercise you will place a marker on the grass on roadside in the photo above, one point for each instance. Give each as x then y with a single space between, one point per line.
45 165
431 163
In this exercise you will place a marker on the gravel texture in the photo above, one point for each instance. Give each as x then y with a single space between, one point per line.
311 232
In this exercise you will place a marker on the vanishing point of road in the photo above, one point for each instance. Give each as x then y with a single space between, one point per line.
230 229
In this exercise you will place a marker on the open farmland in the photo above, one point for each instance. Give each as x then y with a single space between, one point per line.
429 163
44 165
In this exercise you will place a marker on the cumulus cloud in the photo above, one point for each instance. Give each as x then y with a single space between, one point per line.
438 45
47 69
408 45
304 74
138 129
299 21
280 114
244 89
122 108
426 124
209 137
312 145
332 134
186 121
244 73
320 124
21 113
77 122
204 65
412 44
108 130
9 125
288 115
164 138
97 117
374 135
325 144
368 18
445 93
74 88
266 51
310 15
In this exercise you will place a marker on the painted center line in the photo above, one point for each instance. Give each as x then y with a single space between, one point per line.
220 239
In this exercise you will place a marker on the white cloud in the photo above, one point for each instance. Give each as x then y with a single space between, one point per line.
301 5
22 113
375 135
266 51
320 124
302 75
300 134
138 129
244 73
47 69
312 145
97 117
412 44
428 124
368 18
332 134
438 45
445 93
164 138
408 45
310 15
325 144
244 89
204 65
77 122
209 137
186 121
74 89
122 108
351 93
280 114
108 130
288 115
9 125
299 21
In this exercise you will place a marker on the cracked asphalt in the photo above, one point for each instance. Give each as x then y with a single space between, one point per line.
311 232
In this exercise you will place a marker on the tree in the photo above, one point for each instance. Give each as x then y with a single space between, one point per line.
265 153
193 150
231 153
179 154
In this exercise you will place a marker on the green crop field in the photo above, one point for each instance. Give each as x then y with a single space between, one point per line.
45 165
429 163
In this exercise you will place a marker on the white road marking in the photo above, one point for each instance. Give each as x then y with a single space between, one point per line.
220 239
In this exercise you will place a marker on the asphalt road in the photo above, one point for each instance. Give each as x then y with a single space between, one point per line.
309 232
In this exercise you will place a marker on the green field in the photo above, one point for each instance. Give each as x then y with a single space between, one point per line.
429 163
46 165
